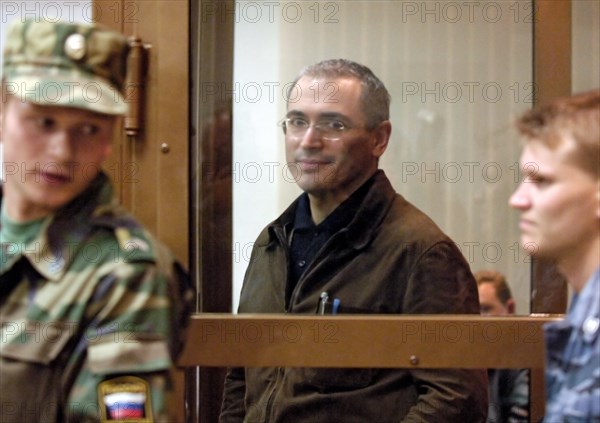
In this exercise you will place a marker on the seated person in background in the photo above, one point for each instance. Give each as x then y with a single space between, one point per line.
351 244
92 307
508 388
559 201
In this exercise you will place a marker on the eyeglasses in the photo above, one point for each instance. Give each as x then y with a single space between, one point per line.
330 129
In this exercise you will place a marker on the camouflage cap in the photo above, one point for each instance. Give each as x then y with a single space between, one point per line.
66 64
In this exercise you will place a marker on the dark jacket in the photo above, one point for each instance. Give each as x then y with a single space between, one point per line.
391 258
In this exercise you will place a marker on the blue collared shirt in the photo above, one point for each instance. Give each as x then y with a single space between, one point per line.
573 359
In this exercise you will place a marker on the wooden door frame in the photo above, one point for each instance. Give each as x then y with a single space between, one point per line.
150 169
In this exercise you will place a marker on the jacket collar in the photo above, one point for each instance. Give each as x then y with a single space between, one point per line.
361 229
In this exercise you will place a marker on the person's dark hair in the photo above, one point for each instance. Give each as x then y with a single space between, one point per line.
576 117
374 96
498 280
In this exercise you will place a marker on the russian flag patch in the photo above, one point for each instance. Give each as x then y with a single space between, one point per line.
125 399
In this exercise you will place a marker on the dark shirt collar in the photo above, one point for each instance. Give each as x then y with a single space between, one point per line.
376 204
339 218
309 239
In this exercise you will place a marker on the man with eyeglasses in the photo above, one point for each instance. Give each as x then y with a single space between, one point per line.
351 244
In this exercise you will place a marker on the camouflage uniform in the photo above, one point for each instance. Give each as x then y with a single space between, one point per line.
77 65
92 310
86 301
573 360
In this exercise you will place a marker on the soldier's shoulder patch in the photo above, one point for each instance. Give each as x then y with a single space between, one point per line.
135 244
125 399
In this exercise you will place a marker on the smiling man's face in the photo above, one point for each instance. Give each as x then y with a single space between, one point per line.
331 168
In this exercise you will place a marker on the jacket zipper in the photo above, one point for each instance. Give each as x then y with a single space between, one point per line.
270 401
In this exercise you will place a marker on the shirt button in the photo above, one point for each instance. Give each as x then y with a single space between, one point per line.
301 263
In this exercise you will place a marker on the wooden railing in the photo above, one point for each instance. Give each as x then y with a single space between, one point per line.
392 341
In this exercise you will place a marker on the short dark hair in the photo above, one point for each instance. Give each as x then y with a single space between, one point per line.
375 97
576 117
498 280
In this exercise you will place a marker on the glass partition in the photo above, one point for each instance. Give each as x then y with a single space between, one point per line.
458 73
585 63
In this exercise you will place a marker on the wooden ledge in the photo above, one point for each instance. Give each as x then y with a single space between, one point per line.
393 341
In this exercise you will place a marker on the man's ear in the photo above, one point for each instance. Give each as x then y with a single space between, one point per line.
107 151
510 306
382 136
117 127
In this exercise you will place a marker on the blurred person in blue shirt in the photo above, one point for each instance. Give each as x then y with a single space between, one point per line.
559 201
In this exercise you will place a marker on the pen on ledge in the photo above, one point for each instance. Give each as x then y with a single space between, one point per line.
323 302
336 306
